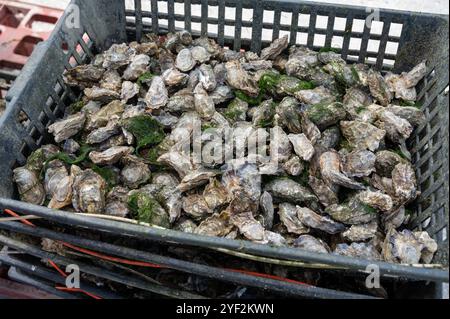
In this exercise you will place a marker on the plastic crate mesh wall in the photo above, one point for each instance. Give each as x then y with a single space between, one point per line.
240 24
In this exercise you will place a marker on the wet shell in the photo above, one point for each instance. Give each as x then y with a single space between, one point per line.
179 162
239 79
207 77
362 135
402 247
275 48
289 190
216 225
111 81
101 95
397 129
267 210
195 179
129 91
83 76
293 166
248 226
353 212
377 200
404 182
105 114
103 133
117 56
215 194
359 163
412 114
315 96
362 232
280 145
182 101
358 250
324 193
326 114
379 88
330 165
195 207
288 111
204 105
200 54
173 77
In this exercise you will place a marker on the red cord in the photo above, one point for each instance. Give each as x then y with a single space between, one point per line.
62 273
78 290
145 264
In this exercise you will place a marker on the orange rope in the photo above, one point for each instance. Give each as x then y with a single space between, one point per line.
62 273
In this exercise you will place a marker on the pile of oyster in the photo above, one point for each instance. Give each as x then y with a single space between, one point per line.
4 86
336 179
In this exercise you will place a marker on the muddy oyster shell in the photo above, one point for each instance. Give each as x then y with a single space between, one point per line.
215 194
157 95
54 173
359 163
363 232
248 226
358 250
89 192
302 146
236 110
182 101
301 61
135 172
310 243
362 135
355 100
263 114
221 94
242 180
330 168
71 146
186 226
30 188
280 145
239 79
65 129
289 190
404 182
116 202
185 61
404 85
83 76
313 220
289 218
430 246
386 162
397 129
129 90
275 48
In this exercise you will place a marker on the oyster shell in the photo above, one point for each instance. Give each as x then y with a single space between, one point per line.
221 94
236 111
313 220
157 95
376 200
248 226
173 77
215 194
412 114
358 250
200 54
83 76
196 207
310 243
352 212
185 61
267 210
315 96
54 173
280 145
118 55
430 246
404 182
288 190
195 179
361 232
326 195
362 135
182 101
116 202
103 116
65 129
310 129
355 100
275 48
289 218
71 146
179 162
103 133
129 90
30 188
103 96
302 146
204 105
89 190
330 165
326 114
402 247
111 81
397 129
288 112
207 77
110 156
239 79
135 172
293 166
403 86
386 162
359 163
216 225
379 88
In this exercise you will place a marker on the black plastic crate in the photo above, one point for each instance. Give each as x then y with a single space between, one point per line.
40 93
